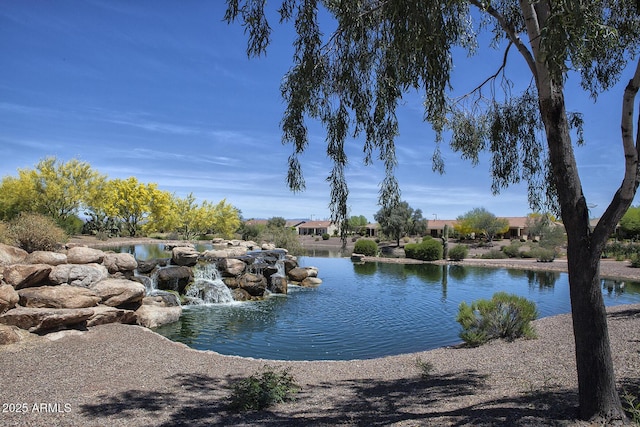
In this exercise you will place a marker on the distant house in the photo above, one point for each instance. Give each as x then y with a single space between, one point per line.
372 229
518 228
435 227
310 228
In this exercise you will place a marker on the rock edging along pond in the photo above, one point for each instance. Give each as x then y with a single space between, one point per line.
44 291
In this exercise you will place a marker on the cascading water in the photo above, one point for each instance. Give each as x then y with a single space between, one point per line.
208 287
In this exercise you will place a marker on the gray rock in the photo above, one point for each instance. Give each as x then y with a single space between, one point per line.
175 278
311 282
184 255
278 284
152 316
120 262
231 267
8 297
9 334
298 274
161 299
46 257
254 284
43 319
84 255
117 292
11 255
83 275
26 275
62 296
104 314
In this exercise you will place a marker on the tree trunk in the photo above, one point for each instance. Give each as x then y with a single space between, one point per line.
596 380
598 396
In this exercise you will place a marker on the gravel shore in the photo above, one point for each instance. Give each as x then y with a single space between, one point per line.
120 375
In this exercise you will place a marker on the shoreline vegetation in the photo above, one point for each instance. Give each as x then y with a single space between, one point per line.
127 375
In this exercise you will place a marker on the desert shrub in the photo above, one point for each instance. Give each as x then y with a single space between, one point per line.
494 254
458 252
35 232
366 247
631 406
325 236
72 225
262 390
503 316
512 250
427 250
4 233
425 368
543 254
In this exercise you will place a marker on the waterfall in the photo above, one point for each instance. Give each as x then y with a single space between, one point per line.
150 282
208 287
204 291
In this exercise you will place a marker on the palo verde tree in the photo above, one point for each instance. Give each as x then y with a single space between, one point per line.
481 221
53 188
353 77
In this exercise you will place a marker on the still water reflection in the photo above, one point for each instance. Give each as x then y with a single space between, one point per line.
369 310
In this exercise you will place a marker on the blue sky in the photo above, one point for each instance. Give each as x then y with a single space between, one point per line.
164 91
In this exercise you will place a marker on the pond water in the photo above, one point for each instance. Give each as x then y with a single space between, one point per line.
370 310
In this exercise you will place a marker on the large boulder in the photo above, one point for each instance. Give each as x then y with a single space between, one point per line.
46 257
11 255
84 255
231 267
289 264
254 284
162 299
62 296
8 297
9 334
175 278
298 274
43 319
121 262
118 292
78 275
311 282
146 266
278 283
26 275
103 314
212 254
184 255
152 316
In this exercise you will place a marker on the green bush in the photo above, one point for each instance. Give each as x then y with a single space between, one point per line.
631 406
513 250
35 232
494 254
543 254
261 391
428 250
366 247
503 316
325 236
72 225
4 233
458 252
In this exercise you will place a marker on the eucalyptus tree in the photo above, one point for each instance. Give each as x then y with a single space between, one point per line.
396 220
353 77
